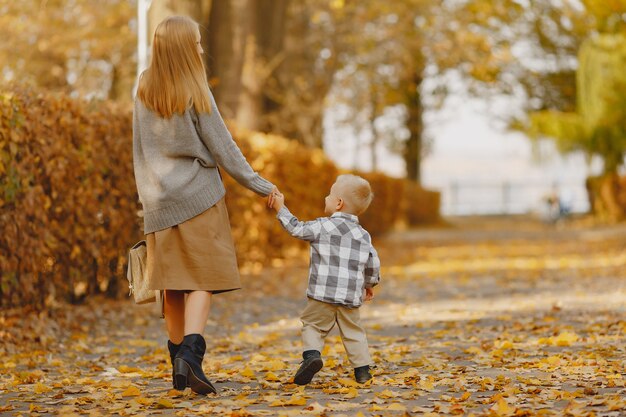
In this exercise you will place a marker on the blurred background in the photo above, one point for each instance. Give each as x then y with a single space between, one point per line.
451 108
500 105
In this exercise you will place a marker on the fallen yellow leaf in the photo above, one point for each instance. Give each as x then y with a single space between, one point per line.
270 376
426 384
566 339
505 344
387 394
127 369
164 403
131 391
348 382
502 408
144 401
351 392
293 400
41 388
274 365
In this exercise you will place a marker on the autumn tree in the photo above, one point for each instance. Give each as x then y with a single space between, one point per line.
562 61
527 50
597 126
369 55
380 77
244 42
87 50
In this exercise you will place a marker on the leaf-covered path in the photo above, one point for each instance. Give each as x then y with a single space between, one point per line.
495 318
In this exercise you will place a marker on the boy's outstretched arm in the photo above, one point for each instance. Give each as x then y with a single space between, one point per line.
372 269
302 230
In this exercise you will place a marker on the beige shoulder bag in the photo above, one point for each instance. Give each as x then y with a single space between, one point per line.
137 275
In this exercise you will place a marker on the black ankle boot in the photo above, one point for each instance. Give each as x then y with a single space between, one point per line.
173 348
188 365
311 365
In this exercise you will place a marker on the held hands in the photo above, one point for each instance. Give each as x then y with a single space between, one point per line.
276 200
369 294
270 197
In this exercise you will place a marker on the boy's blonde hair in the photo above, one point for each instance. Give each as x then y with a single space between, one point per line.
356 191
176 76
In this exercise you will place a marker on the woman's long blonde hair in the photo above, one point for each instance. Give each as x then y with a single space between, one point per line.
176 76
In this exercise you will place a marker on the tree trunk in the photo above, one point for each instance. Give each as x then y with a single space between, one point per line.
114 91
607 197
413 147
263 46
301 85
374 132
250 96
121 82
224 53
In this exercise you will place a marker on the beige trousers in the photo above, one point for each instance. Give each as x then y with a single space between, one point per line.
319 318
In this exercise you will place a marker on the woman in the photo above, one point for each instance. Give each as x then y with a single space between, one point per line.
179 139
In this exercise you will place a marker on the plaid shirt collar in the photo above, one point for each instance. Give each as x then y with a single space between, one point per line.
346 216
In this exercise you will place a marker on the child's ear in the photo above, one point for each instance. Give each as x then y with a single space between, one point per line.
339 204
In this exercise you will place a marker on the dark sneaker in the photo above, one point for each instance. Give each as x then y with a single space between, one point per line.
362 374
311 365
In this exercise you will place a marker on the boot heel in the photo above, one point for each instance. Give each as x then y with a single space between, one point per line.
181 372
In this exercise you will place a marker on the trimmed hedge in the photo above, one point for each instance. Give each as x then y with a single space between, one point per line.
69 209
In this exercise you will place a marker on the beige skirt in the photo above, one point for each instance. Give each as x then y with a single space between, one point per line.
197 254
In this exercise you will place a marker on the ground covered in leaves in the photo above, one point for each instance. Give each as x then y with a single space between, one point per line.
486 318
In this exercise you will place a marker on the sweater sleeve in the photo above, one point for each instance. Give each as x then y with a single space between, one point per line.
216 137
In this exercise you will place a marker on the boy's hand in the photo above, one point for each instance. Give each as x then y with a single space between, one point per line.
369 294
277 200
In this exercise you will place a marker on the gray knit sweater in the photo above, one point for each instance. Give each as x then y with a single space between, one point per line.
176 162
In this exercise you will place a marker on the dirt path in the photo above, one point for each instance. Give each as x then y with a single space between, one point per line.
498 318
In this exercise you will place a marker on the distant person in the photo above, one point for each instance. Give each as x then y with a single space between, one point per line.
556 208
344 268
179 140
552 206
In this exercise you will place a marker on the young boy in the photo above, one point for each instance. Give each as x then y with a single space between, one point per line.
344 265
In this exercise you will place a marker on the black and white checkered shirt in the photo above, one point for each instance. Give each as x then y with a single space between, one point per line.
343 259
